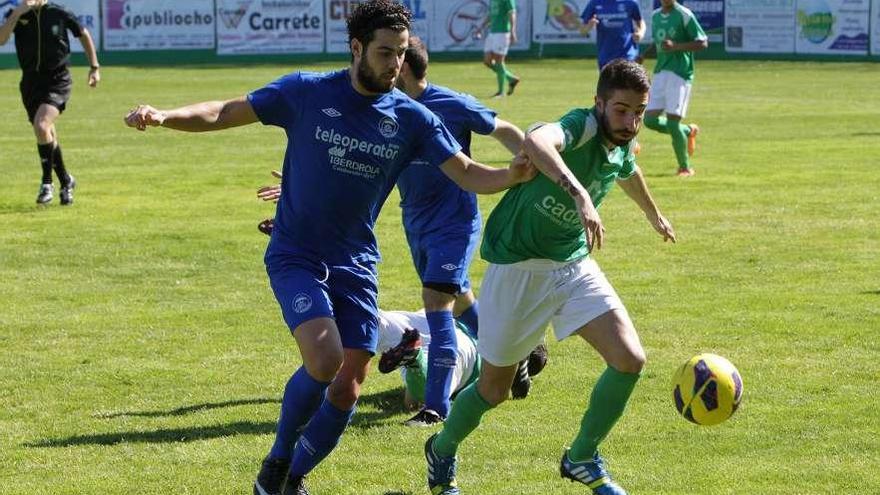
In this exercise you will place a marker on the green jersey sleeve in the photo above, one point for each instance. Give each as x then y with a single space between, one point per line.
693 29
579 127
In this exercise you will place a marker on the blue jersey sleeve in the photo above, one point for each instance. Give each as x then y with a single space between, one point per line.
437 144
481 118
635 12
589 11
278 103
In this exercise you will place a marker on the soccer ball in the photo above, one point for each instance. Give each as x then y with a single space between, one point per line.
707 389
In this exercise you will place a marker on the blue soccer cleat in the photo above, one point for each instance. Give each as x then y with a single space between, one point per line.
441 471
591 473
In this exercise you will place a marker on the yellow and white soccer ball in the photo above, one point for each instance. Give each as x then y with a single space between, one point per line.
707 389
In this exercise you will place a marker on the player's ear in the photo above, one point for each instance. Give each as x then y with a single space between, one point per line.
357 49
600 104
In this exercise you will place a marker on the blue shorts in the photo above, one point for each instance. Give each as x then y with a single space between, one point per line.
444 257
307 289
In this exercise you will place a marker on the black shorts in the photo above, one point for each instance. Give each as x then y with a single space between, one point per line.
52 89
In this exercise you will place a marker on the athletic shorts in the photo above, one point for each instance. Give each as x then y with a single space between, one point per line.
38 89
498 43
444 257
670 93
518 300
307 289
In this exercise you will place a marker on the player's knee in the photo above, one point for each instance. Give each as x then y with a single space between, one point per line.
326 367
493 393
43 127
439 297
631 362
343 393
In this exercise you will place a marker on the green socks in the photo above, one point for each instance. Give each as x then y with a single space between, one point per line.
677 130
501 76
415 376
607 402
467 411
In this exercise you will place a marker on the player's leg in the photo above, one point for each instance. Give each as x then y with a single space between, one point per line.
500 71
654 119
678 93
466 306
43 124
512 79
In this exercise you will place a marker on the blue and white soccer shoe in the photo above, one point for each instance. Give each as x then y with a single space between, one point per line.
441 471
591 473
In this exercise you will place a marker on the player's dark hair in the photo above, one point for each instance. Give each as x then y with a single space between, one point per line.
417 57
622 74
371 15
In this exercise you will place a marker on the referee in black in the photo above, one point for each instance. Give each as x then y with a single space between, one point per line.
43 50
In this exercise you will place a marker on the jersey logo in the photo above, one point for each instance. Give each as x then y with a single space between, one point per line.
388 127
56 29
449 267
23 22
302 302
331 112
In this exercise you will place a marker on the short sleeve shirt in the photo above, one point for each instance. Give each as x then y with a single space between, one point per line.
679 25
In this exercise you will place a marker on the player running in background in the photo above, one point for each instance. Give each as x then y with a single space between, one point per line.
43 50
442 224
502 34
619 28
537 241
677 35
350 133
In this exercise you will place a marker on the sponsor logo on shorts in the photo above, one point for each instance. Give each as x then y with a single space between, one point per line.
388 127
302 302
449 267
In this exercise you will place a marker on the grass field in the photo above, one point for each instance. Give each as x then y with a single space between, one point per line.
143 352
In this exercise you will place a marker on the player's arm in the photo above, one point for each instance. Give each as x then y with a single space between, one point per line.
508 135
483 179
637 189
513 26
200 117
88 44
685 46
8 26
542 147
639 28
589 19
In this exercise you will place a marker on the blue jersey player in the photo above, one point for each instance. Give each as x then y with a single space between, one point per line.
442 224
350 133
619 28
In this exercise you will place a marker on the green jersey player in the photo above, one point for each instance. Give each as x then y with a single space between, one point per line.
502 34
677 35
538 241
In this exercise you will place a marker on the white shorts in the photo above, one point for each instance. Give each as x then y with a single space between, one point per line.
517 301
497 43
670 93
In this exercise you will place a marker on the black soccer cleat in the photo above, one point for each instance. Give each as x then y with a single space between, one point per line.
537 359
425 417
296 485
270 480
403 354
522 382
67 192
46 194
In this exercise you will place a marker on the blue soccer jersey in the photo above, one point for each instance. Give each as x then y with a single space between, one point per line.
615 29
344 153
430 200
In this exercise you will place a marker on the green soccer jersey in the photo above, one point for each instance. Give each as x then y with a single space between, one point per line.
679 25
499 15
537 219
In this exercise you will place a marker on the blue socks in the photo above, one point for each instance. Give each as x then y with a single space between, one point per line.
470 318
441 361
319 438
302 396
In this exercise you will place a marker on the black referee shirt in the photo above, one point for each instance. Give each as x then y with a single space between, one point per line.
41 40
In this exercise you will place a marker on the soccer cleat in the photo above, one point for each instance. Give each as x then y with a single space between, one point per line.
441 471
692 139
685 172
67 192
403 354
537 359
47 192
497 95
522 383
271 478
591 473
514 82
266 226
425 417
295 486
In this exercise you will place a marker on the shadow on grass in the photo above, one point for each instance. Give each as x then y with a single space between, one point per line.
874 292
172 435
389 403
180 411
397 493
865 134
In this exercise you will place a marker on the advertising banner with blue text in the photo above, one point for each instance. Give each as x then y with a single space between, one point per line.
270 26
832 26
158 25
459 25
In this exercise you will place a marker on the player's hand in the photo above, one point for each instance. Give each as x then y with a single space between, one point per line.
512 37
522 169
144 116
589 217
593 22
637 37
663 227
266 226
270 193
667 45
94 77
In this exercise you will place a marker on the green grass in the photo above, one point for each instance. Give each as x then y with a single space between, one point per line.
142 351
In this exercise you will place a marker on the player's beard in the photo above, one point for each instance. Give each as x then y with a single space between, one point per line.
370 81
618 137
